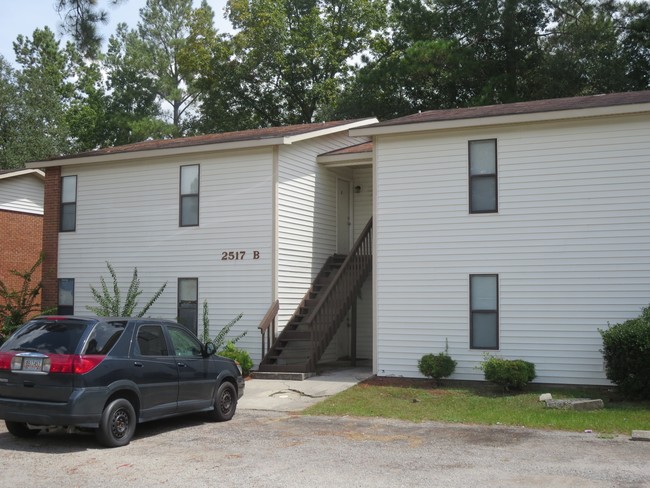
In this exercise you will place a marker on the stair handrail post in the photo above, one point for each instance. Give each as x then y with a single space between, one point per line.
268 322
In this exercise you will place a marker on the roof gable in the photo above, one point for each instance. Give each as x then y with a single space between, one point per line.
6 174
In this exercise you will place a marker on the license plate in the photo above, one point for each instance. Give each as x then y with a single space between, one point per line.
32 364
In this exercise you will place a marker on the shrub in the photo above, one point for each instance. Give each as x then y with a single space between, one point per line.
512 374
239 355
436 366
220 340
626 350
18 305
109 303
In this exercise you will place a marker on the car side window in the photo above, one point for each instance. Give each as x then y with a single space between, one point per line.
151 341
104 337
185 344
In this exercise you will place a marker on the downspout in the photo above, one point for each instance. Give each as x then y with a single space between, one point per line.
375 225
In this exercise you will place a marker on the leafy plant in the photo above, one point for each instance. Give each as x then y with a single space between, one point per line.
110 303
437 366
17 304
220 338
512 374
239 355
626 350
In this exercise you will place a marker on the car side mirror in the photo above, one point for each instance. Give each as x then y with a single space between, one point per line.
210 349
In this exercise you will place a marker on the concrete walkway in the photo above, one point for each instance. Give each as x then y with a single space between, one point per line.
293 396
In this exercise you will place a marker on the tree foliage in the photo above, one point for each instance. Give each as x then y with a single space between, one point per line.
300 61
288 61
452 53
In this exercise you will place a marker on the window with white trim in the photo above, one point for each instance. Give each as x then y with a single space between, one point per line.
68 204
189 196
66 296
188 303
484 311
483 176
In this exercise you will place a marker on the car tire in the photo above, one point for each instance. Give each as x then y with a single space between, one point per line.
117 425
225 402
20 429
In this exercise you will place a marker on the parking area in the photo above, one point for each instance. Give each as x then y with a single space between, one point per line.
275 447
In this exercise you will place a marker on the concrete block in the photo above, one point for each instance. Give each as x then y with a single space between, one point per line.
641 435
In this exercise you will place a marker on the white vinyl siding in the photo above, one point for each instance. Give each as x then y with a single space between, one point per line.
570 244
306 217
23 193
140 229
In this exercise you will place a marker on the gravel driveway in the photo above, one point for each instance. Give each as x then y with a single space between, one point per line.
272 449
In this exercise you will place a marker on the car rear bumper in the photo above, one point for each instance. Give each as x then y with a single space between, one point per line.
241 385
83 409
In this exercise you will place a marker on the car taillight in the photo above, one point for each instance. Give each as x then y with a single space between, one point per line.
5 360
74 363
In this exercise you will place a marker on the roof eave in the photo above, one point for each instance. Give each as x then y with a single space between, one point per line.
502 120
199 149
157 153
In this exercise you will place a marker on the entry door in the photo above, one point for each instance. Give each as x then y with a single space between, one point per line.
343 218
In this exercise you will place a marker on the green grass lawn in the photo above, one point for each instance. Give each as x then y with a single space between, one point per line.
485 405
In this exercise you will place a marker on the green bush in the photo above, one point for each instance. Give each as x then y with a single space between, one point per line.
239 355
626 349
436 366
512 374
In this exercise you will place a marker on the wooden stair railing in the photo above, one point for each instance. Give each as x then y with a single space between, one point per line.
304 339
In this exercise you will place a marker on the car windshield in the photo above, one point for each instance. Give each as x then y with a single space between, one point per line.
47 336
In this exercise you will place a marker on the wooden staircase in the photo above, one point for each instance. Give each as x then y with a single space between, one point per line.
313 325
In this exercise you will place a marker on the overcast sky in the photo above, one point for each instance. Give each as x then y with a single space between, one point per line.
23 16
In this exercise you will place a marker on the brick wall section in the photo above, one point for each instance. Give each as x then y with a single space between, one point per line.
51 226
20 246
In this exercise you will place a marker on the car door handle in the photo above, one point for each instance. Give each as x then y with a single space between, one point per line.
138 364
182 365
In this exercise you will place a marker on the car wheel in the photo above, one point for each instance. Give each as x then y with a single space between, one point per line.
117 425
20 429
225 402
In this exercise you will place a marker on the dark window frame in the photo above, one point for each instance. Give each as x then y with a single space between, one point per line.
61 308
484 176
184 197
188 305
496 313
68 204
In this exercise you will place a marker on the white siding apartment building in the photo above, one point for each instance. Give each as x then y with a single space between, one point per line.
517 230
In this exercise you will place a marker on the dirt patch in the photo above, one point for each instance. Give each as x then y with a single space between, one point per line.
424 384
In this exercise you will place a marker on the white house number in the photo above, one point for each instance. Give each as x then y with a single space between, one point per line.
239 255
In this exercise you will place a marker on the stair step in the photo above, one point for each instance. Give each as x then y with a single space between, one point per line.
284 368
294 335
281 375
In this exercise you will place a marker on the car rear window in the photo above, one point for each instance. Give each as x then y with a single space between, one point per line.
48 336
